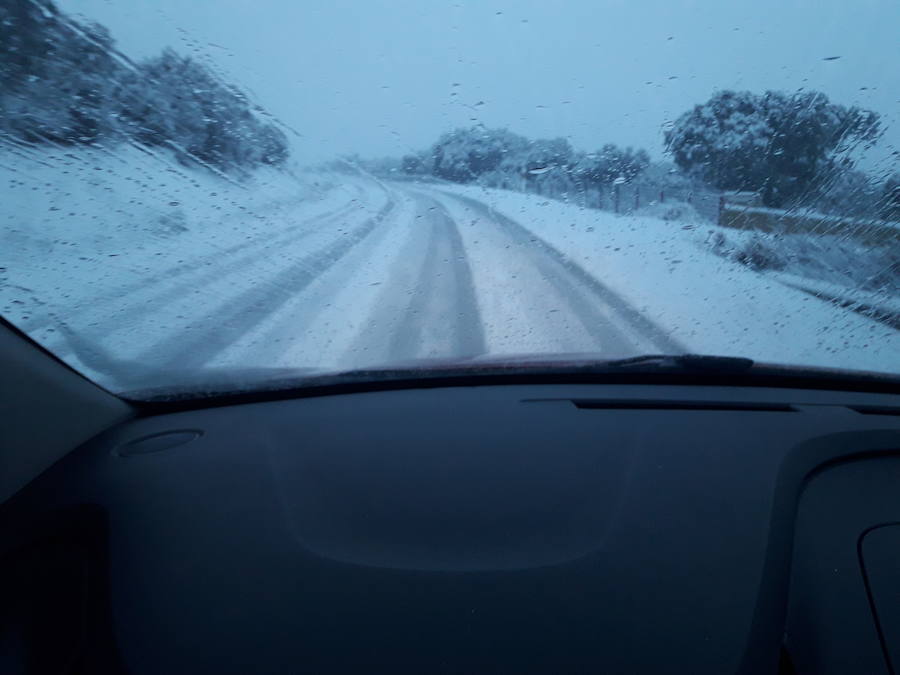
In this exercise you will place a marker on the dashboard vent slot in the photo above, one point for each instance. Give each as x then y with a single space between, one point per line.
158 442
875 410
603 404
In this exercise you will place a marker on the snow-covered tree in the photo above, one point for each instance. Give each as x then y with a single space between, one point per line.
175 101
414 165
62 82
846 193
56 76
601 168
781 145
463 155
889 204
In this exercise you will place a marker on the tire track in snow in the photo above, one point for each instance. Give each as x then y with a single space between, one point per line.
585 295
201 340
210 272
427 307
322 321
209 263
442 319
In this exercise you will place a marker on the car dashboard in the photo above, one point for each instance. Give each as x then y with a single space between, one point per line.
518 528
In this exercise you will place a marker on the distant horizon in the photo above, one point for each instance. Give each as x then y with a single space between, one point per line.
387 78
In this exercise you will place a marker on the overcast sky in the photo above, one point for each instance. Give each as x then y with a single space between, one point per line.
383 77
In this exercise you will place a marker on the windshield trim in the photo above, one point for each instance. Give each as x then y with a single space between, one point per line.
159 401
762 375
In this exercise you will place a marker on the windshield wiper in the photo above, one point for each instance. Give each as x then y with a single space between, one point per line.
533 369
704 362
558 362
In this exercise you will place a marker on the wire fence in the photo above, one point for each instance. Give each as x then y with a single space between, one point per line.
740 216
629 198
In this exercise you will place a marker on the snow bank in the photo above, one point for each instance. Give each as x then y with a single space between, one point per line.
860 268
681 212
107 202
82 226
666 270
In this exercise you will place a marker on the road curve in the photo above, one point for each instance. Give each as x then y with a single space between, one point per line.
416 273
564 302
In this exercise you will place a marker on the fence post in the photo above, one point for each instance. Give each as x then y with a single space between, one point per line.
721 208
637 197
616 197
662 196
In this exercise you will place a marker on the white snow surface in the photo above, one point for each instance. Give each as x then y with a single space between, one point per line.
709 304
139 271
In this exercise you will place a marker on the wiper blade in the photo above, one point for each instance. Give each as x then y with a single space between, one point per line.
550 368
582 362
704 362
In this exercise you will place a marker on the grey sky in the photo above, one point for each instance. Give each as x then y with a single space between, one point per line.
383 77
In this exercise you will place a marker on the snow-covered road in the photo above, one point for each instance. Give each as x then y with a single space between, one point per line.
141 278
398 272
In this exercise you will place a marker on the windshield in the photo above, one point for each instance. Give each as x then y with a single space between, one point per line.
207 191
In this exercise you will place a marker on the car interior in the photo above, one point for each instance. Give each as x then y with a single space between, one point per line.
484 523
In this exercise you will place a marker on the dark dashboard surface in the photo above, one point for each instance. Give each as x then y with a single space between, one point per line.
552 529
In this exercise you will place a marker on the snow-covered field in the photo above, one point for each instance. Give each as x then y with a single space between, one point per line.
141 272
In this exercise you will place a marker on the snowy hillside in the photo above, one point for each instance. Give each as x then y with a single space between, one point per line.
88 236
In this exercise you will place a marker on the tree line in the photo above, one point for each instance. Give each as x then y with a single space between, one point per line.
503 159
792 149
63 82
